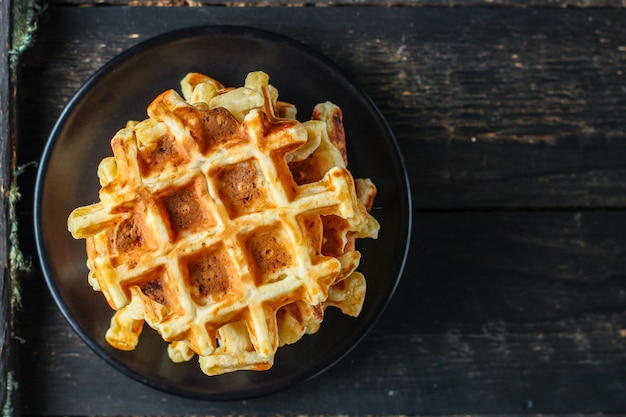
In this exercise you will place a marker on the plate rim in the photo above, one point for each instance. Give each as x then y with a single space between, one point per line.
156 41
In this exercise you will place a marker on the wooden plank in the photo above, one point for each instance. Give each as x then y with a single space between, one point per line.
492 317
508 311
495 109
490 175
8 358
383 3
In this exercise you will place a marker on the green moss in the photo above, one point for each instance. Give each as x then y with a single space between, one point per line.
24 14
16 259
24 26
11 386
18 263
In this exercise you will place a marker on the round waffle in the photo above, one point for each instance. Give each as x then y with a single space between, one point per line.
226 225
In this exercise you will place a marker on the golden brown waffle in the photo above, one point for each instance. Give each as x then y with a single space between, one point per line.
226 225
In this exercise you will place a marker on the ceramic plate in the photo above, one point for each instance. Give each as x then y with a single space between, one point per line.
122 90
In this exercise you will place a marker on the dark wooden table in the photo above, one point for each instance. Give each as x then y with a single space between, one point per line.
511 117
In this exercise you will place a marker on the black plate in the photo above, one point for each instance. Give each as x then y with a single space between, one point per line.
122 90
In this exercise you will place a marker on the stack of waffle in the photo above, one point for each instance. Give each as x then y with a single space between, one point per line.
226 225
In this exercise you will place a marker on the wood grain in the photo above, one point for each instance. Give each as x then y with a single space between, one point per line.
8 359
492 317
378 3
510 108
511 122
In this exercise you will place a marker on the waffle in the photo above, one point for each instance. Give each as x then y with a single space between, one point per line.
226 225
